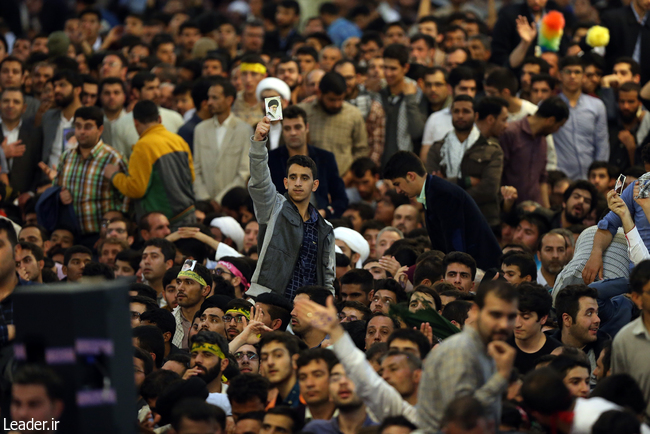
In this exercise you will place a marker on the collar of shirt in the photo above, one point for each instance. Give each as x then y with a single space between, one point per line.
225 123
422 198
6 132
639 329
638 18
476 337
294 395
568 103
95 150
335 422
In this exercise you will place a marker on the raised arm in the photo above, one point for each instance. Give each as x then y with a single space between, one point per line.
261 186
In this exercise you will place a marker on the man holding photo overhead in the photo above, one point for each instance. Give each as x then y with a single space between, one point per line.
297 246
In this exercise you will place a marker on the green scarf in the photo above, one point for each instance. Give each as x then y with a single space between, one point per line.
440 325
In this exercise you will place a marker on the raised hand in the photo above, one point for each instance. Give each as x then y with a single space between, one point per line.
323 318
527 32
616 204
262 129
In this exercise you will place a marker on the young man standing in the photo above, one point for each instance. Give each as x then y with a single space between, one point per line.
453 220
529 340
292 225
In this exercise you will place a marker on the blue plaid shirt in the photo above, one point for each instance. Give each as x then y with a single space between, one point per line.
304 273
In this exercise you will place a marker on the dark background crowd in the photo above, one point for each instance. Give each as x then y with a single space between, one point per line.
361 216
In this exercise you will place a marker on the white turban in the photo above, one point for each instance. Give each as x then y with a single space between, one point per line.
272 83
230 229
355 242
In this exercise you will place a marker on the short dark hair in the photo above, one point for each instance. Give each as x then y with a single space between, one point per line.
616 421
360 277
297 418
555 107
524 262
197 409
490 106
71 77
564 364
290 342
70 251
166 247
544 67
290 4
361 165
635 68
308 50
502 290
463 98
395 421
161 318
365 310
317 294
141 354
312 354
141 78
246 386
397 52
332 82
199 91
146 112
37 252
98 269
640 276
227 88
570 61
611 169
502 78
156 382
294 112
131 256
91 11
36 374
457 310
170 275
459 74
159 39
544 391
534 298
581 184
630 86
461 258
401 163
111 80
92 113
428 39
12 58
151 339
568 300
550 80
437 302
415 336
303 161
465 411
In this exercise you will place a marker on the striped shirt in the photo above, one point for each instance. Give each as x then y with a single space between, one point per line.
92 194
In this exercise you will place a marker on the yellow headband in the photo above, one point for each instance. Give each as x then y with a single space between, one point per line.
253 67
210 348
240 311
194 276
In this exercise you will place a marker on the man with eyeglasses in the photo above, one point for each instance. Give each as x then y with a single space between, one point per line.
120 228
584 137
237 311
248 359
194 285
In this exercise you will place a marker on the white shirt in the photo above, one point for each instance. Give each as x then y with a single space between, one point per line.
11 136
221 401
437 127
59 141
188 114
221 130
527 108
587 411
275 134
636 248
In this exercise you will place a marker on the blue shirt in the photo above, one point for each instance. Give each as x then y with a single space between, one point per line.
583 139
319 426
304 273
186 131
612 222
341 29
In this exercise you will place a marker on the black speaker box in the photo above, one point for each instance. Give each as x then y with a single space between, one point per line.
83 332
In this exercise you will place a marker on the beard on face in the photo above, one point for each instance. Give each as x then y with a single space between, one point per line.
573 219
329 110
65 101
463 126
211 373
628 116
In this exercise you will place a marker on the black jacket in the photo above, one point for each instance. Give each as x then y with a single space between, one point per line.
623 33
455 223
505 36
25 173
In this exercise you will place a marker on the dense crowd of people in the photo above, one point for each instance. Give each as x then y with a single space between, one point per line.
370 216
